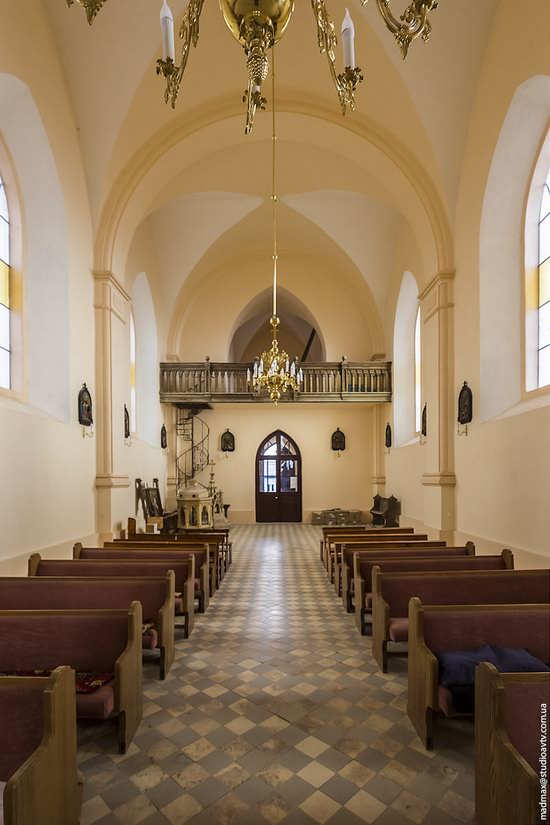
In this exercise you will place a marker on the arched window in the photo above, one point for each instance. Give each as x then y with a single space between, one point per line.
132 374
417 374
5 336
544 286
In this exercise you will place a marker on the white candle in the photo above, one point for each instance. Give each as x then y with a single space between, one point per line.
167 29
348 40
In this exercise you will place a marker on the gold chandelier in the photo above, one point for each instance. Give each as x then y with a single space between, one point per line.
259 24
273 371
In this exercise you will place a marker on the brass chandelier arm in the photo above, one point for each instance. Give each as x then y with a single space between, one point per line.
347 82
189 34
92 7
413 22
254 101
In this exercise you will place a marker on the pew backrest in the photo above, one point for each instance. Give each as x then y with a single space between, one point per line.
86 640
351 553
460 587
184 571
106 553
447 627
365 567
89 593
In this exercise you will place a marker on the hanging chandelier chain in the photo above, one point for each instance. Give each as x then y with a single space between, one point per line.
273 183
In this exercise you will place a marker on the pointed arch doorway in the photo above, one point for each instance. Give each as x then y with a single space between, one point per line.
278 479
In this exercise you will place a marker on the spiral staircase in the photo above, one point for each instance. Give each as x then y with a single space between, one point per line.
193 436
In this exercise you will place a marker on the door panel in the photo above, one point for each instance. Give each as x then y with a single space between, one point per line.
278 480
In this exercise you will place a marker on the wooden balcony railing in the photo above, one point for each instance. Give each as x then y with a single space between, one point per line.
365 381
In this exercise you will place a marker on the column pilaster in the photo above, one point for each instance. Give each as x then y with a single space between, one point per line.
111 305
437 315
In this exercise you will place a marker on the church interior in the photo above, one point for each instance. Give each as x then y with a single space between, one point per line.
274 412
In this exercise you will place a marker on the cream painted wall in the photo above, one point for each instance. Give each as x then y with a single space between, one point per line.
503 465
327 481
47 468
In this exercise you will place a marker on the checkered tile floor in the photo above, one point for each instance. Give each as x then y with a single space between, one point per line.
275 712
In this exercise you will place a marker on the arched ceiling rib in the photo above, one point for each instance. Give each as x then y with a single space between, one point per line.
118 99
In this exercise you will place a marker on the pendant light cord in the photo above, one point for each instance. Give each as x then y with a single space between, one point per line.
273 192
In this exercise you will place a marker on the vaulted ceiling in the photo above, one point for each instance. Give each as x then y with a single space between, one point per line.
192 188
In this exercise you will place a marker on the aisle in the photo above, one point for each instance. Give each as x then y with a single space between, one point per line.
275 712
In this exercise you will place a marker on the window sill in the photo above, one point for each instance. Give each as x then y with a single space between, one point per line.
410 443
541 400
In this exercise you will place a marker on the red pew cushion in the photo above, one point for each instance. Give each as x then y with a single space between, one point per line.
399 629
97 705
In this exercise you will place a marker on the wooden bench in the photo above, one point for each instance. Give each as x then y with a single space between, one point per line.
349 553
201 534
215 558
391 593
434 629
155 594
184 572
90 641
38 775
372 547
227 546
351 532
364 568
508 745
202 573
334 554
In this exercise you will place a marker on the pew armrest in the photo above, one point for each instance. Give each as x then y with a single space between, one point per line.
128 681
423 678
45 787
507 787
166 628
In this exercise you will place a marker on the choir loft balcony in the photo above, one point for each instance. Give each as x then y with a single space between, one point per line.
345 381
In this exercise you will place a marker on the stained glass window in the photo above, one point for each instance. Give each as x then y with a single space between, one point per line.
417 375
132 374
544 287
5 348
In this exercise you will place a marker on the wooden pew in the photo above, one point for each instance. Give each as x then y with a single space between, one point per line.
364 567
343 533
508 746
213 547
341 529
391 593
333 542
202 573
349 553
38 753
434 629
184 572
372 546
91 641
223 531
133 535
155 594
167 548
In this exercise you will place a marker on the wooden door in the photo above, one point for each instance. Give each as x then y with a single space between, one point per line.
278 480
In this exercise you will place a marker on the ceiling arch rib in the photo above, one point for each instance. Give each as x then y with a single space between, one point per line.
151 169
306 251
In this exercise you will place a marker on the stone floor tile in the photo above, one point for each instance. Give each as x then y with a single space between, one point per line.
365 806
319 807
274 685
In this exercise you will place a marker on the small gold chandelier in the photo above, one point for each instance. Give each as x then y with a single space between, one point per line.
273 371
259 24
